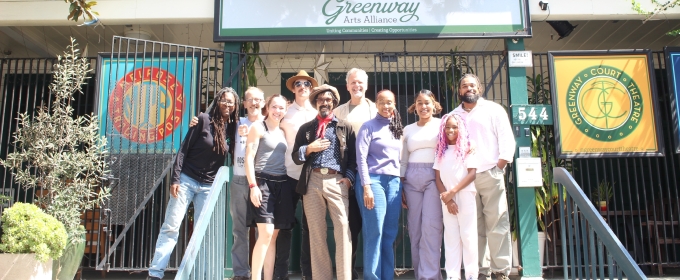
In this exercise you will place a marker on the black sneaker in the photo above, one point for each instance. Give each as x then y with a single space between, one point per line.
483 277
501 276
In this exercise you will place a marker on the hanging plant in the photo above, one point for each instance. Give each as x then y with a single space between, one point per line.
80 8
253 59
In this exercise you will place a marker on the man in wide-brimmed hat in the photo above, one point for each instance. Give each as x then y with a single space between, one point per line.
299 112
325 146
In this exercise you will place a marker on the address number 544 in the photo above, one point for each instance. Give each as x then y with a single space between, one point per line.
523 114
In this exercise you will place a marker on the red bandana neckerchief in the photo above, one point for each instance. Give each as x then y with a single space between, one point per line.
323 122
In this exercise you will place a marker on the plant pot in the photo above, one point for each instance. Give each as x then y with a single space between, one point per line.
541 251
24 266
603 205
541 247
66 267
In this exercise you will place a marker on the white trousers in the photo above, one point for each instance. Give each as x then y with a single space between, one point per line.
460 237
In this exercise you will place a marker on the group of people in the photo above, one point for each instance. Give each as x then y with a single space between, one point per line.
357 163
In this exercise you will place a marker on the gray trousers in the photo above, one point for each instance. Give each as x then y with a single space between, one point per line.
425 224
493 223
239 203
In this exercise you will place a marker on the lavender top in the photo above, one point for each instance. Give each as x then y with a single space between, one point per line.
377 149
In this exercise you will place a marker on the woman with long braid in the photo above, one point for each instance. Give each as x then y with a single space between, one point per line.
455 170
203 151
378 191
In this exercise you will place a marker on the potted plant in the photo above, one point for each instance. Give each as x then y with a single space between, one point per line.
62 157
30 240
602 194
456 66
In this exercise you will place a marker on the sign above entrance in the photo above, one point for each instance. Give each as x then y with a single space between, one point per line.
298 20
605 104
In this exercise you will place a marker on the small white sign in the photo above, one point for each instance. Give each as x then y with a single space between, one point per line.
524 152
529 172
520 59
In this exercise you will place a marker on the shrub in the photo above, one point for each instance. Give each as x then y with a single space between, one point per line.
59 153
27 229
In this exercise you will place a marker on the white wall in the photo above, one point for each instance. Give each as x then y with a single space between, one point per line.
113 12
120 12
594 10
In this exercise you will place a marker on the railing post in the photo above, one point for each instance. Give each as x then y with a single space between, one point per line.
526 201
230 65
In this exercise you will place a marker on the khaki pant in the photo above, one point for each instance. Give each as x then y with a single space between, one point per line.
493 223
324 190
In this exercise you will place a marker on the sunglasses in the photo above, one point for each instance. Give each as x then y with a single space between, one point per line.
305 83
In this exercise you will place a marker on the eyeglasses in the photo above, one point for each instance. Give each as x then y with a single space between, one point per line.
305 83
324 100
225 102
254 100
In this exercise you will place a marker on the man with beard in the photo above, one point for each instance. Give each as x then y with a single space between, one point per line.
325 147
492 135
356 111
299 112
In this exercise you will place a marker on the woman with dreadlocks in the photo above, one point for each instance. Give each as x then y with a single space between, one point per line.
203 151
455 171
378 192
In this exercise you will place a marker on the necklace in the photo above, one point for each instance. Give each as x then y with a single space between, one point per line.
462 105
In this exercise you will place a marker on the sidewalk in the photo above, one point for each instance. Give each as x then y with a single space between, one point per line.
119 275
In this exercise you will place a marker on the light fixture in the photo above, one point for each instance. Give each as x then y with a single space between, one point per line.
543 5
562 27
138 34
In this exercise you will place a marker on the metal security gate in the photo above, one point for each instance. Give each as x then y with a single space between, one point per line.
24 86
406 74
148 93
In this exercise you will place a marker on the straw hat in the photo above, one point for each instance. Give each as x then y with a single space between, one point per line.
300 75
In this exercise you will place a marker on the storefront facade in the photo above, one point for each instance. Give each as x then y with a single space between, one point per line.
402 65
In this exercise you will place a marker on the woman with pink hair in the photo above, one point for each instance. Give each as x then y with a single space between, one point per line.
455 171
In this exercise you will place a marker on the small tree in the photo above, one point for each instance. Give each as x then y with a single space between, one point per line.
61 156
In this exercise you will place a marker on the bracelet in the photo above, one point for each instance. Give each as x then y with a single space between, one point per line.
252 185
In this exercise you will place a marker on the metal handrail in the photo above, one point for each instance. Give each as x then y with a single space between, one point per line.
583 229
207 245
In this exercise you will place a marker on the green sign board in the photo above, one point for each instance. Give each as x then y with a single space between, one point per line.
298 20
527 114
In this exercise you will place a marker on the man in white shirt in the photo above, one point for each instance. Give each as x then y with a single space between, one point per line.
356 111
492 135
300 111
239 201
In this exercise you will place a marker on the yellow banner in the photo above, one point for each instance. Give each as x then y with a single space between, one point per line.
605 105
